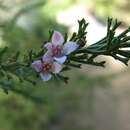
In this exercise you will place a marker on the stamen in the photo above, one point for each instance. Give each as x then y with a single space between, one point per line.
46 67
57 50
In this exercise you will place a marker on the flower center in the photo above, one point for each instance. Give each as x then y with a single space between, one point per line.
57 50
46 67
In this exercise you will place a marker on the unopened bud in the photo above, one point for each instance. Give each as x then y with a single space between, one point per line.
82 42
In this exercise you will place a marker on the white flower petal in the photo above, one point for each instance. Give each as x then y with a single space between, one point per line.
61 60
45 77
56 67
37 65
57 38
48 45
47 57
70 47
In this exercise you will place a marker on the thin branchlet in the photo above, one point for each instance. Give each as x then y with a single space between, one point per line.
111 45
116 46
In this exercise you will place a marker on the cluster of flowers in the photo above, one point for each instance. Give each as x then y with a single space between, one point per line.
56 54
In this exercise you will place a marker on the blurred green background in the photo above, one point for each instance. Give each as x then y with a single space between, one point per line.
95 98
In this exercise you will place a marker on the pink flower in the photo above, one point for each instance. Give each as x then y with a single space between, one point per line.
57 50
45 68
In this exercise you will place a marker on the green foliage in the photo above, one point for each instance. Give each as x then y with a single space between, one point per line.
31 106
20 37
111 45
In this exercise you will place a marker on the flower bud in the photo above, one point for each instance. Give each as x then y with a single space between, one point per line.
82 42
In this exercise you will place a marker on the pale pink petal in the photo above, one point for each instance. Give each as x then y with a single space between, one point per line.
56 67
57 38
48 45
61 60
45 77
70 47
37 65
47 57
